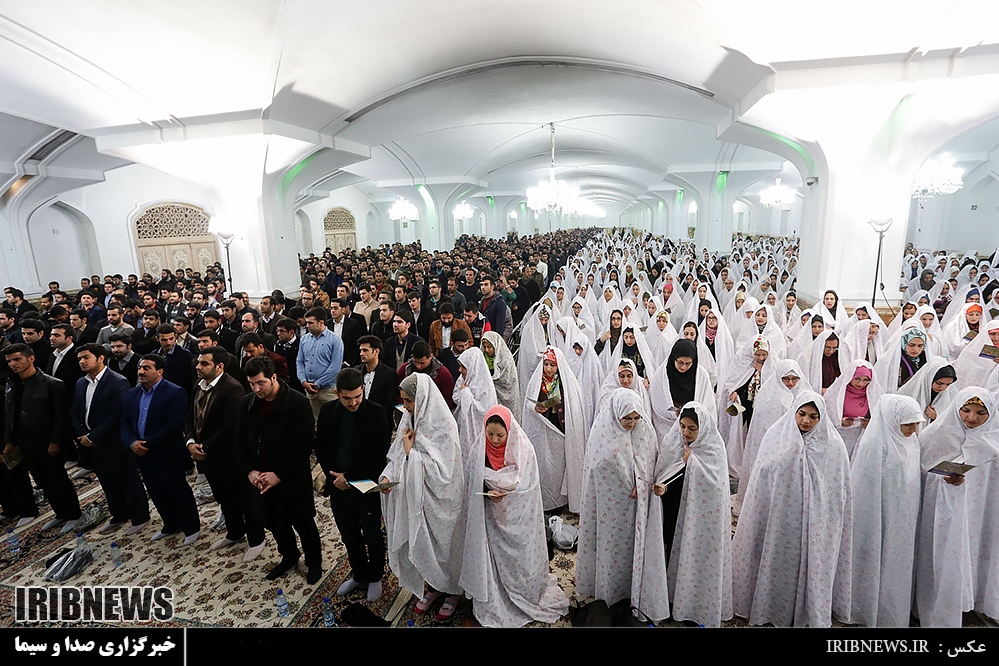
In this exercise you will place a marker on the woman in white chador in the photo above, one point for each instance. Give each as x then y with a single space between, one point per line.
679 380
538 332
886 487
425 513
553 419
957 558
501 366
505 564
621 553
473 396
792 548
931 387
851 400
700 562
774 400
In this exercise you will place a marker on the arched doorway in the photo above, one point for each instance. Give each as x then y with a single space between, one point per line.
339 229
174 236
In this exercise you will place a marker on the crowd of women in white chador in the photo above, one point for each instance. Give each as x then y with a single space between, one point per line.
651 380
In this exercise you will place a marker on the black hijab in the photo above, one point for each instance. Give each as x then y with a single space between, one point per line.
682 384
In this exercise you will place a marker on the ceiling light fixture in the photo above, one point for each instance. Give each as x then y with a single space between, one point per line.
463 211
559 197
778 196
938 175
403 209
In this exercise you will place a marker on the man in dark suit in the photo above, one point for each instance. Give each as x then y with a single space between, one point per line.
36 425
34 334
227 337
381 382
96 422
287 346
422 317
210 430
274 441
85 334
179 362
349 330
64 366
250 323
123 360
352 440
152 426
144 339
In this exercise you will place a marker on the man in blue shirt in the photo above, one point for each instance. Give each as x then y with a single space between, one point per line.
320 358
152 426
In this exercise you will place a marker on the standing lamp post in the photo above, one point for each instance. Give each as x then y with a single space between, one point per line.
880 226
227 239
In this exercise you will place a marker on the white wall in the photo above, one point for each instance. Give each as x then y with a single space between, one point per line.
948 221
60 248
359 204
114 204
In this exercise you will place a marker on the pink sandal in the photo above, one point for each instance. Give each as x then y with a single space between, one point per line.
424 604
447 610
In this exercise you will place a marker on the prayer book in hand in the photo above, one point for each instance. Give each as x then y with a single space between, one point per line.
947 468
368 486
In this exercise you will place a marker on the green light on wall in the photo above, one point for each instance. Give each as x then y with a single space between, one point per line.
660 206
720 182
293 172
679 199
492 203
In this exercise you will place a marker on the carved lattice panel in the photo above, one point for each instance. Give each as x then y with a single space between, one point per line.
338 219
152 260
172 221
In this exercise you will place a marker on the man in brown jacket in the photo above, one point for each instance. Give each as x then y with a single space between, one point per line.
440 330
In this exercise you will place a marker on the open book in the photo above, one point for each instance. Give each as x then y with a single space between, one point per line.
368 486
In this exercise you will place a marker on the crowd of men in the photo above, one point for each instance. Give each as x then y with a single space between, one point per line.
146 381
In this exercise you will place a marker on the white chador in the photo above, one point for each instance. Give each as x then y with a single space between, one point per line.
505 565
560 454
886 487
792 549
957 561
473 396
505 379
700 565
621 552
424 514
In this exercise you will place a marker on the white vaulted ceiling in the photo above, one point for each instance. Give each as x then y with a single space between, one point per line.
640 91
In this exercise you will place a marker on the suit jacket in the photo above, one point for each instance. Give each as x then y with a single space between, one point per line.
87 335
280 442
218 430
105 410
164 427
436 339
352 331
384 390
359 457
227 339
179 368
422 327
144 342
69 371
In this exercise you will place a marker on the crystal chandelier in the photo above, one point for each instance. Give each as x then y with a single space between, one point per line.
463 211
403 209
778 196
938 175
558 196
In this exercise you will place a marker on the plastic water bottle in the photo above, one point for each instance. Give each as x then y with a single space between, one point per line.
284 608
13 543
329 619
81 541
115 555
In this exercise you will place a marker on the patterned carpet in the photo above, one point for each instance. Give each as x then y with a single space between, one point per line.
216 589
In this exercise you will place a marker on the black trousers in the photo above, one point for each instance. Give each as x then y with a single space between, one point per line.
284 534
51 477
121 483
232 491
359 519
173 498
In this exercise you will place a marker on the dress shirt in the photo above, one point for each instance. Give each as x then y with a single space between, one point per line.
91 388
320 358
145 399
338 328
58 356
205 388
